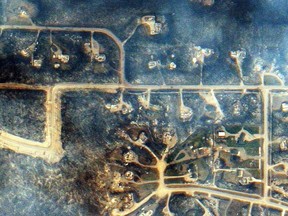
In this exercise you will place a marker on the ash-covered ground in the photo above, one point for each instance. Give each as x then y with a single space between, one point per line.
29 186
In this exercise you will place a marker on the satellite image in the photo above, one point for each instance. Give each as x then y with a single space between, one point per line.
144 107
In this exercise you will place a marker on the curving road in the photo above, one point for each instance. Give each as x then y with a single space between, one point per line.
51 149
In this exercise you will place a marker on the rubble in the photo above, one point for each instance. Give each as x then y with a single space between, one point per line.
153 26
